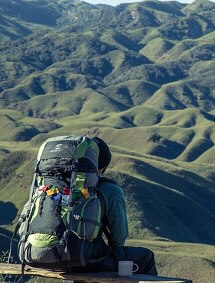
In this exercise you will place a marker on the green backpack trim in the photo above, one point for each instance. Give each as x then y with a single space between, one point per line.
42 240
96 231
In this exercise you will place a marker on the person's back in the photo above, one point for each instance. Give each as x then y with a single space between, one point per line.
113 211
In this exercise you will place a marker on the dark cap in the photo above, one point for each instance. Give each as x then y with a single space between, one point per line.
104 153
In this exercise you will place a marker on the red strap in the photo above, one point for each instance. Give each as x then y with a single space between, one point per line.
66 191
45 188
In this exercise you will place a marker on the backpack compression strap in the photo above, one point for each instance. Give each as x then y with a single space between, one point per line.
70 205
25 234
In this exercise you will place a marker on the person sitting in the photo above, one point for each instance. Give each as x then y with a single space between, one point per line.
106 256
56 226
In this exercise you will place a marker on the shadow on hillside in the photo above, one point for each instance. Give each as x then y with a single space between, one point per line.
168 205
15 25
168 149
8 213
28 12
9 34
5 239
185 182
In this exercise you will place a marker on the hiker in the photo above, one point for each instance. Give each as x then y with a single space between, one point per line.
114 219
69 207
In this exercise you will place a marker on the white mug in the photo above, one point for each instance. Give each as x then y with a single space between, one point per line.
126 268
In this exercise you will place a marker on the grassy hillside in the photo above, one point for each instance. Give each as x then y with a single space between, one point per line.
175 175
193 261
140 76
166 202
156 59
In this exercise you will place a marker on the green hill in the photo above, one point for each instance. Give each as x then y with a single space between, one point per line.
140 76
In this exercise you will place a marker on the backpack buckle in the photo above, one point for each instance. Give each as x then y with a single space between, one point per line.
77 217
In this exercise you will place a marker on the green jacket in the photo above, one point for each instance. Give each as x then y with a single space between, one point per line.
113 212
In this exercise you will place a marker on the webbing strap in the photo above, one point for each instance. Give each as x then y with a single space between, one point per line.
82 259
56 253
21 279
23 270
29 203
26 225
12 238
70 201
70 205
107 233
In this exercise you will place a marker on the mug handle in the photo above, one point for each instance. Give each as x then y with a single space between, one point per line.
137 267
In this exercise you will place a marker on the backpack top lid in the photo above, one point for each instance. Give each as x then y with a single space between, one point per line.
63 150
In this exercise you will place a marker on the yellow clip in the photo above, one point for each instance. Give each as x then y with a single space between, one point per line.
85 193
51 192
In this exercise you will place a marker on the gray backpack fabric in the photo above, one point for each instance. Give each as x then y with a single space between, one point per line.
63 213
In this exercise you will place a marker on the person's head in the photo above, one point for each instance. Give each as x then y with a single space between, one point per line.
104 155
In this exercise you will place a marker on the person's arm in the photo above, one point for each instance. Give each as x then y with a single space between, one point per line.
115 215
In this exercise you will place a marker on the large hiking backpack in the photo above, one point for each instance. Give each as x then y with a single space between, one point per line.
63 213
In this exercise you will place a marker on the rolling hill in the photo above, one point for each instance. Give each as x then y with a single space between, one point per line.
140 76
